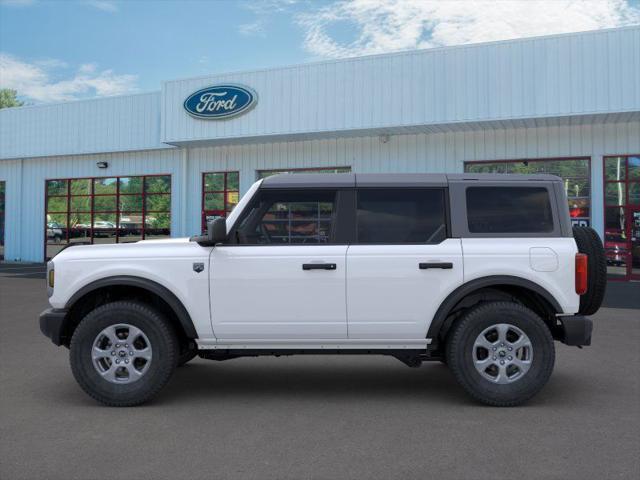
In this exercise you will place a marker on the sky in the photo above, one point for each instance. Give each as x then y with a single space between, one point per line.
60 50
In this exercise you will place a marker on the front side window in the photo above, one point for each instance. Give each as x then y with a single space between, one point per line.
392 216
289 218
509 210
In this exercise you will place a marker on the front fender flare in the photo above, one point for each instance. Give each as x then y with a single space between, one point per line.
128 280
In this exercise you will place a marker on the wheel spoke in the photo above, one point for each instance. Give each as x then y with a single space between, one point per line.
502 329
142 353
523 365
110 374
521 342
133 373
482 341
502 376
110 333
134 332
98 353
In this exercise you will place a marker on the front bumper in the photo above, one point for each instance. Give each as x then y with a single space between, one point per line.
575 330
52 324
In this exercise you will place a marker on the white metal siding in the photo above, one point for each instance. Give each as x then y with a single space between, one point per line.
89 126
25 200
423 152
547 77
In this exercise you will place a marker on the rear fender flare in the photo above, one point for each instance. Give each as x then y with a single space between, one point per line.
468 288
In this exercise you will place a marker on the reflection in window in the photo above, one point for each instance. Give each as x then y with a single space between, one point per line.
268 173
575 172
289 218
107 210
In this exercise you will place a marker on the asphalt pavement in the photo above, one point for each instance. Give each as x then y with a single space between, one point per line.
314 417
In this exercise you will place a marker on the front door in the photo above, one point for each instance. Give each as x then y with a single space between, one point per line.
282 277
402 265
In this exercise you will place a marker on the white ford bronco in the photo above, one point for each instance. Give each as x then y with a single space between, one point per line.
481 272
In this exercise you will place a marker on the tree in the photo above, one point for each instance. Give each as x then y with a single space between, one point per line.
8 98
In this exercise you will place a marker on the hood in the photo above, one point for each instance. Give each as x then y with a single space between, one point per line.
162 248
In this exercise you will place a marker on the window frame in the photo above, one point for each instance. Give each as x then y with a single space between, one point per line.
225 192
92 210
445 203
627 209
342 220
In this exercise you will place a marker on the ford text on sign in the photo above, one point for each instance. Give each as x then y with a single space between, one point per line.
220 101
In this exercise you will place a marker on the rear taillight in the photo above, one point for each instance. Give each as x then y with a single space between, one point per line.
581 273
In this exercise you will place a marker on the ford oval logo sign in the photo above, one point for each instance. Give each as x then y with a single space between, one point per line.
220 101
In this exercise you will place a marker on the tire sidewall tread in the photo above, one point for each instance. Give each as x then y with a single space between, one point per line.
163 343
459 353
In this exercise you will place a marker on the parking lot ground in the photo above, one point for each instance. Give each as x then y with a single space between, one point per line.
314 417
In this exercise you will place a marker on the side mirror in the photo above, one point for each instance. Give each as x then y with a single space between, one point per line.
217 231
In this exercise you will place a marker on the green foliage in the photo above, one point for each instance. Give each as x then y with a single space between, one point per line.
8 98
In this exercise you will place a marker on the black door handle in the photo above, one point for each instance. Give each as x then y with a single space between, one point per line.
442 265
318 266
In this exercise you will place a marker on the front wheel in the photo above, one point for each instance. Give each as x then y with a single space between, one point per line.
501 353
123 353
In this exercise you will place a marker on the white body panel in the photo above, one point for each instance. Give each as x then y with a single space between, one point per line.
388 296
484 257
262 292
166 262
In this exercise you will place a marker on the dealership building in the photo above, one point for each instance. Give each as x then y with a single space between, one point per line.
158 164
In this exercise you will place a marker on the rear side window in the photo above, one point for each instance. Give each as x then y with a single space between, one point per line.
509 210
391 216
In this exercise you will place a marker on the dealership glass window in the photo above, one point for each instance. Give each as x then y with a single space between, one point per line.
220 194
106 210
622 216
392 216
509 210
285 218
575 172
2 210
268 173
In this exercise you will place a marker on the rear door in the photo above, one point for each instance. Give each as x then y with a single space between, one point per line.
284 277
402 265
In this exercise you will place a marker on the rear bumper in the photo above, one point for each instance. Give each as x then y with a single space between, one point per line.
52 322
575 330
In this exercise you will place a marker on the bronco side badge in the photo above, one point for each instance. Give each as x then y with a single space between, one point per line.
198 267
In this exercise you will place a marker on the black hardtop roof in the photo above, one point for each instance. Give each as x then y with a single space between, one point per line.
346 180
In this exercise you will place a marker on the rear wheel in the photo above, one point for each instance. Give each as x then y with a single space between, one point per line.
501 353
123 353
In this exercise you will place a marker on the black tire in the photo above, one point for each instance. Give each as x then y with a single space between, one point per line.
163 343
460 346
589 243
